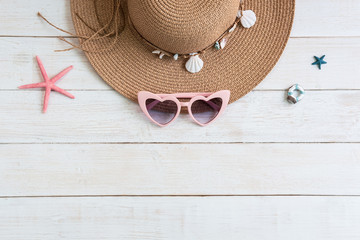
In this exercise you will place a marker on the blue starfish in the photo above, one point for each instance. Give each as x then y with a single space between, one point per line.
319 61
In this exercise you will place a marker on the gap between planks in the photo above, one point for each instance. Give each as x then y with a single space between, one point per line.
184 196
165 143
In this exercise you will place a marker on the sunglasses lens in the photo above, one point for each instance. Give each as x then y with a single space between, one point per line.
205 111
161 112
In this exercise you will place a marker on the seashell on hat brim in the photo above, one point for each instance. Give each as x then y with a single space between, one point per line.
130 66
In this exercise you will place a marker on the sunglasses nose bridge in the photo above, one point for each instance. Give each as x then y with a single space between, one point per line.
184 104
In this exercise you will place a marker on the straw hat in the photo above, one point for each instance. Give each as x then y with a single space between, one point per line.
119 38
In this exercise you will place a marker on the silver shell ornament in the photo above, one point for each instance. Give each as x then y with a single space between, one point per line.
247 18
194 64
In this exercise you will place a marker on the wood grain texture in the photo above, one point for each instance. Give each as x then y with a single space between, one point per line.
326 18
105 116
19 18
179 169
19 67
312 18
269 218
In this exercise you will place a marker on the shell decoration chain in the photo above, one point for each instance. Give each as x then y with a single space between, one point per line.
194 64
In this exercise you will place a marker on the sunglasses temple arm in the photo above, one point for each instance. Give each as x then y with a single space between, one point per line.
214 106
151 105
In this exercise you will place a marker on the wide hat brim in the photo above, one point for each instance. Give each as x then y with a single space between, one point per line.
250 54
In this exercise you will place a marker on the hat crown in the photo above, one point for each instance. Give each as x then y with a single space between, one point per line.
182 26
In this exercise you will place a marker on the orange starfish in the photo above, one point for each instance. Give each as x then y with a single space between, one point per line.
49 84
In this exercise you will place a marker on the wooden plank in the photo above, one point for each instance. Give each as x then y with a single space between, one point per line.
19 18
270 218
179 169
326 18
295 66
106 116
19 66
312 18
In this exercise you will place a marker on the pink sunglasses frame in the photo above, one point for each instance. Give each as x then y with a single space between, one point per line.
144 95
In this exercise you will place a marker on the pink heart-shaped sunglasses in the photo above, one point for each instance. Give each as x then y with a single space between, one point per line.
203 108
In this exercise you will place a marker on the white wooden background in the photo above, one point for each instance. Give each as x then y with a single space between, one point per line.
95 168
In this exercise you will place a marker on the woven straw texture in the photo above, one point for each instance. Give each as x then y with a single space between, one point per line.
129 66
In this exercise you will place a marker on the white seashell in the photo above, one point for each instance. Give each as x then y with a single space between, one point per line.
194 64
176 56
248 19
232 28
161 55
223 43
238 15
